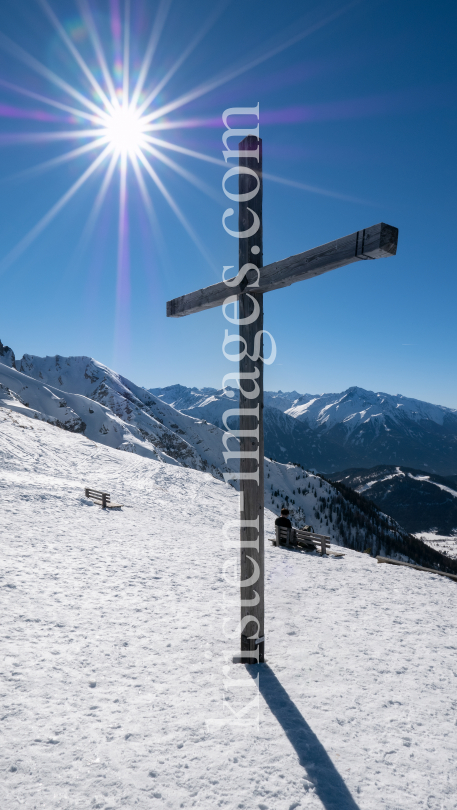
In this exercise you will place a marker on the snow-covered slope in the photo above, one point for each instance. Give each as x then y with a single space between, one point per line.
93 400
79 393
286 438
114 410
356 428
116 656
83 396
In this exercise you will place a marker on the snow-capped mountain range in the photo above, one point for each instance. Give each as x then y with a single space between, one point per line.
83 396
329 432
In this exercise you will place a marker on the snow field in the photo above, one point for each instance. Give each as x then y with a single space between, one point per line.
446 544
114 657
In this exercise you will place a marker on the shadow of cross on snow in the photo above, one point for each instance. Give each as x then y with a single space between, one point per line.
328 784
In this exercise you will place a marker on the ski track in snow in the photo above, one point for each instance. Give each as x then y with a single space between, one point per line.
440 486
113 652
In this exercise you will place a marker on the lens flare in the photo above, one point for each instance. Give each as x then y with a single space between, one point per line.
117 120
124 130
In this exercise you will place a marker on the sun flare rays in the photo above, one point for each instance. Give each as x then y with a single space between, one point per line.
115 121
110 113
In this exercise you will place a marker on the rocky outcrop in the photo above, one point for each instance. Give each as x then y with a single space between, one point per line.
7 356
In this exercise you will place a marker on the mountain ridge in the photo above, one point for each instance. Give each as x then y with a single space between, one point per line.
83 396
331 432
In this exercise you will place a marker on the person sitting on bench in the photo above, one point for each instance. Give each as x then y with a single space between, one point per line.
284 522
284 519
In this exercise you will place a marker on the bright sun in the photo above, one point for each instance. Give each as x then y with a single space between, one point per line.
124 130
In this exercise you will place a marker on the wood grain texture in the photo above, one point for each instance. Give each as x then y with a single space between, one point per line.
377 242
251 397
313 535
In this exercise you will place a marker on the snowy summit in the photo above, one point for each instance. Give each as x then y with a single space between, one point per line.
119 626
118 688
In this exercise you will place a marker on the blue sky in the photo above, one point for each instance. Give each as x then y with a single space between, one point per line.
362 108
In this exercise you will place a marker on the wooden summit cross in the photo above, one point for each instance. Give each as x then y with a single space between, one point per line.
248 287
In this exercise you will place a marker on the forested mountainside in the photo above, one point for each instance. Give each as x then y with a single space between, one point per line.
418 500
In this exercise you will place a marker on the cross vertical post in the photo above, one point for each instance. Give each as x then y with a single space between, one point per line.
253 279
251 404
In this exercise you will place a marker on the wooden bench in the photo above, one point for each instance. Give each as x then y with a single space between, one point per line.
294 537
102 499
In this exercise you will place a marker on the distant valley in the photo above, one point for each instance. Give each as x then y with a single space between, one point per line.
419 502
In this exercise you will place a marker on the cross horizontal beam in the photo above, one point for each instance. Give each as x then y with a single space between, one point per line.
377 242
